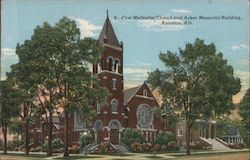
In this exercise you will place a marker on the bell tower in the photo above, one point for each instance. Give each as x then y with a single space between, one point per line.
110 72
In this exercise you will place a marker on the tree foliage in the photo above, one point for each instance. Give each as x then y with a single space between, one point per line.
10 106
197 82
245 114
54 70
132 135
164 138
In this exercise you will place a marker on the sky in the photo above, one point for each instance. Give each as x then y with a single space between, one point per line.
143 39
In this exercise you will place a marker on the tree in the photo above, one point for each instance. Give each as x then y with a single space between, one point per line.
16 127
54 67
244 113
198 83
9 107
132 135
224 123
164 138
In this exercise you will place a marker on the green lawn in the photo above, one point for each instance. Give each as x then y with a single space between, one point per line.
137 156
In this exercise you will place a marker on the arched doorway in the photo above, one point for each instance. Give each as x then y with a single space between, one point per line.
98 131
114 126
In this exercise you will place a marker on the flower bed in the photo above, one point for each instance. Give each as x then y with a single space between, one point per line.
146 147
105 148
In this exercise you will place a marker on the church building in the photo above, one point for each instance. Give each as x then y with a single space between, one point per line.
130 108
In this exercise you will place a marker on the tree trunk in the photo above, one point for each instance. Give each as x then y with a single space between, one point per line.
49 152
66 116
187 139
4 129
27 138
26 129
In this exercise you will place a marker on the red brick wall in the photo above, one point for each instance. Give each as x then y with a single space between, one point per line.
136 101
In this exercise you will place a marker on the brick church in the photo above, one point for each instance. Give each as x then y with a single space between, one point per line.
130 108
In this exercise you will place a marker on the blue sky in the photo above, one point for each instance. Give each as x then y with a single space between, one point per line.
143 39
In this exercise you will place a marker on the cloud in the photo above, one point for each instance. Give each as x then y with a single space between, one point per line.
135 75
244 61
158 25
3 77
8 57
130 85
8 52
239 47
87 29
136 71
184 11
244 77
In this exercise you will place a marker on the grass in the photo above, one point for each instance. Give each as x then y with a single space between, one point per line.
28 156
210 154
117 156
77 157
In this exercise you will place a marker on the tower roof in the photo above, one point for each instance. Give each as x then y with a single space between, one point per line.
108 35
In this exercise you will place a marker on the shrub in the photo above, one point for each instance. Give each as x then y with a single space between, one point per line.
146 147
172 146
13 145
164 138
236 146
132 135
105 147
136 147
85 140
56 144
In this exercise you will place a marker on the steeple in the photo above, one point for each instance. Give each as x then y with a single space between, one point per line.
107 35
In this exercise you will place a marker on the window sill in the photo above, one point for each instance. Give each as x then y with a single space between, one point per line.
114 112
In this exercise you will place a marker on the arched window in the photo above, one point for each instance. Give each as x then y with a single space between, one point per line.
110 63
145 93
114 125
114 105
117 64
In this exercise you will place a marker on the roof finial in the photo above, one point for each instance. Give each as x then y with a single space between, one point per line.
107 13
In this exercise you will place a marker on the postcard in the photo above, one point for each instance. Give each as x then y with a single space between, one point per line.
124 79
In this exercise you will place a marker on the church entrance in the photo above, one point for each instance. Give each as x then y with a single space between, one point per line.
114 136
98 131
114 126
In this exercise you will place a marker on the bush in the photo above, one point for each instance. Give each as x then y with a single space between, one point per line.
105 147
164 138
132 135
136 147
146 147
14 145
85 139
56 144
156 148
236 146
172 146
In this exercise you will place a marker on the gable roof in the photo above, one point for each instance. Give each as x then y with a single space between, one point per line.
129 93
108 35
